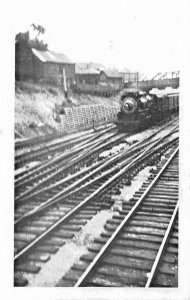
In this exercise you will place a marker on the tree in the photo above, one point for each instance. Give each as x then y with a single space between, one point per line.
36 43
23 37
40 29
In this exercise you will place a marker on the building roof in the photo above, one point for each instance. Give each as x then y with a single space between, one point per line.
50 56
90 65
88 68
112 74
86 71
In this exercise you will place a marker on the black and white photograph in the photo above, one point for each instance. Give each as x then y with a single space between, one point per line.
98 196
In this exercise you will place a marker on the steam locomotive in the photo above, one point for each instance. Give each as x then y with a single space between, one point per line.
139 110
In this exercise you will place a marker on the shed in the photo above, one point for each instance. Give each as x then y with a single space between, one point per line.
87 73
50 65
89 76
23 61
111 77
42 65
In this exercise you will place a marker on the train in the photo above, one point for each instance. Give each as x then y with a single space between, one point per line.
139 110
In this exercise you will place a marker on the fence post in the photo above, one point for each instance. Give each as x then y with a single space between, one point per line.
65 84
93 124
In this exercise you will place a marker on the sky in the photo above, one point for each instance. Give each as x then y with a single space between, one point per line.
141 35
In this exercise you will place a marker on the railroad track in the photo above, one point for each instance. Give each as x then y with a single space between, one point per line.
57 147
168 262
59 167
139 246
67 163
47 229
47 150
40 141
75 182
35 141
49 193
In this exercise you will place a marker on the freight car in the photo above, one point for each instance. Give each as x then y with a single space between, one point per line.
138 110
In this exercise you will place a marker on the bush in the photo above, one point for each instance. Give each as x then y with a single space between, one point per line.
53 91
32 125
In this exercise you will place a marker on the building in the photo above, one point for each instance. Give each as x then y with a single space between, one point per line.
89 65
40 65
23 61
87 73
92 78
86 76
111 77
130 76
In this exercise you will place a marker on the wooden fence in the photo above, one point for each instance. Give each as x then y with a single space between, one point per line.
87 115
95 89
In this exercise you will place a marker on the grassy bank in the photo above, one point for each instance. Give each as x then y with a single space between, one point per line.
37 107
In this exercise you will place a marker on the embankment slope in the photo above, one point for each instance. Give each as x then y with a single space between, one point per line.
37 107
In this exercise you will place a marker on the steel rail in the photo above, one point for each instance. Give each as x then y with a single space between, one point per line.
50 149
40 140
28 192
36 140
84 153
98 167
119 228
68 191
48 162
65 193
80 140
76 208
162 247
